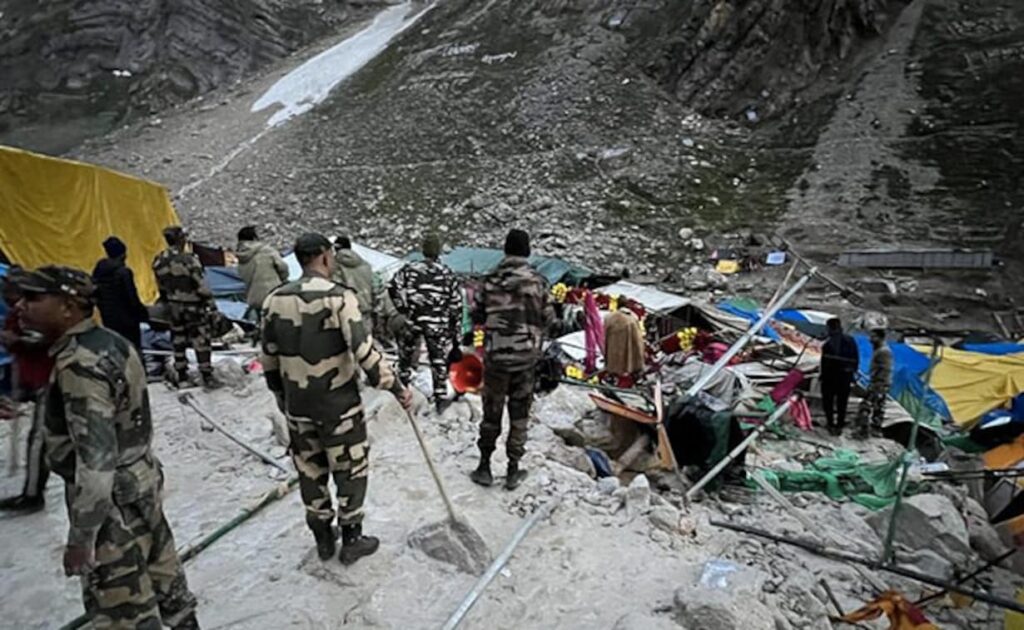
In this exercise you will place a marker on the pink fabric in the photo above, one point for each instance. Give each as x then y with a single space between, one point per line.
801 414
786 387
594 332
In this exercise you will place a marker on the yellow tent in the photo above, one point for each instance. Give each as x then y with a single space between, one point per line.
972 384
55 211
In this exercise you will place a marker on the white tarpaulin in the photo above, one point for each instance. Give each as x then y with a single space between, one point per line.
651 298
384 264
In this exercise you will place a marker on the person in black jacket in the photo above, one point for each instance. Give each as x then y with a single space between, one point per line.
118 299
839 361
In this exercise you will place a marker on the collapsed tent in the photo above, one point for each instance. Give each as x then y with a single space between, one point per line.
383 264
59 211
972 383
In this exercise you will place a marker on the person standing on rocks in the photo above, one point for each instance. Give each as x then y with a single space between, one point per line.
515 308
32 367
260 266
314 342
99 436
116 295
839 361
872 407
179 274
427 294
350 270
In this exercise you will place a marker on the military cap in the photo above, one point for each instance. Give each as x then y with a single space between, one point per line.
57 280
311 244
174 233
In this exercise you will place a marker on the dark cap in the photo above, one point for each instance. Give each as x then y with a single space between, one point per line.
517 243
432 246
54 280
115 247
174 233
311 245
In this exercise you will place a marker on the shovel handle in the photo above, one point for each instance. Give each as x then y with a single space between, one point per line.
430 464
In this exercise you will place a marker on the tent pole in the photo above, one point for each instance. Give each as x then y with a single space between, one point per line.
733 350
720 466
887 549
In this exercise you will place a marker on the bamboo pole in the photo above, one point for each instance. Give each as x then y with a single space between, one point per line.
887 548
499 562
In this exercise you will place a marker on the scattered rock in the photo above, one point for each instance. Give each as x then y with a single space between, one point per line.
608 485
638 495
685 234
926 561
928 521
983 537
666 517
734 605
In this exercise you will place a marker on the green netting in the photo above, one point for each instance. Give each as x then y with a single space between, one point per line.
843 476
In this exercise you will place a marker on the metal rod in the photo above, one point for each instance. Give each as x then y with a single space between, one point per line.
720 466
705 378
433 469
187 399
967 578
833 554
845 290
1002 325
785 281
831 597
499 562
890 536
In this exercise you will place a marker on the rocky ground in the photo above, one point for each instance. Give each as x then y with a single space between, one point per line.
611 555
587 126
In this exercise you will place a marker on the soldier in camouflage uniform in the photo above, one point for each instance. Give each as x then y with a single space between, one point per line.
179 275
98 438
428 295
314 342
515 308
872 406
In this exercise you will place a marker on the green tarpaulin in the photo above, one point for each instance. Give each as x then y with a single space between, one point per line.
842 476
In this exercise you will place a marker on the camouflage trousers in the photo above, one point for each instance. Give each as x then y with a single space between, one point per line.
516 390
138 581
321 450
872 409
439 344
190 327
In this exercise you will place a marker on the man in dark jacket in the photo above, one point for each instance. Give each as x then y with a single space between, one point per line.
350 270
116 295
839 360
514 306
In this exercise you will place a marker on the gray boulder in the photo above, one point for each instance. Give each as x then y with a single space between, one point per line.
928 521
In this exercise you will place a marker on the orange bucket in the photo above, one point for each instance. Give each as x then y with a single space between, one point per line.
467 375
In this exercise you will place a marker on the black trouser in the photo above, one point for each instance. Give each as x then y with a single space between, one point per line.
36 470
835 395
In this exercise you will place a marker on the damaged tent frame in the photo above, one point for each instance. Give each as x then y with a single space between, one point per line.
840 556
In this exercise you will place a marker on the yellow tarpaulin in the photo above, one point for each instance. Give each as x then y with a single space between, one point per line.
972 384
55 211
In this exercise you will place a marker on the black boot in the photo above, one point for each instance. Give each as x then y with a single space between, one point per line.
188 623
354 545
515 475
482 475
326 539
23 503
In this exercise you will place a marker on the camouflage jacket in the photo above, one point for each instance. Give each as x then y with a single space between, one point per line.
180 277
98 427
881 369
515 308
428 293
314 339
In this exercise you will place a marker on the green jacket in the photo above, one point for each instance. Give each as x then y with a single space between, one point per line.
262 270
351 271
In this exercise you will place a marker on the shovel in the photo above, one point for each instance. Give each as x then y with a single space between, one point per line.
453 540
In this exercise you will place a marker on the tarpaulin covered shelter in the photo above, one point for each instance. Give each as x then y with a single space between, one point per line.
972 383
381 263
478 261
55 211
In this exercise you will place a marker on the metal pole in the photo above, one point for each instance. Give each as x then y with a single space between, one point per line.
887 548
187 399
785 281
733 350
499 562
833 554
720 466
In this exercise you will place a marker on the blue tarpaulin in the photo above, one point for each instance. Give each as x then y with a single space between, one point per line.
225 282
751 316
908 372
997 349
